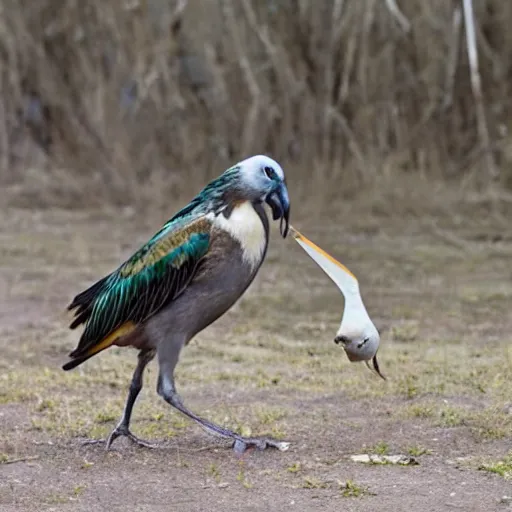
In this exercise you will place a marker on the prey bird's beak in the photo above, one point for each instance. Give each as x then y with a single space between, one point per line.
279 202
375 367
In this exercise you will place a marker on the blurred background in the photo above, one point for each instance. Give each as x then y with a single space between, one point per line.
136 102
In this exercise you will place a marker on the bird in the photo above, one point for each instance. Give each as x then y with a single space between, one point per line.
183 279
357 333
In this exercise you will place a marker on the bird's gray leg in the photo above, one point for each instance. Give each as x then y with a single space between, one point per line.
122 428
167 390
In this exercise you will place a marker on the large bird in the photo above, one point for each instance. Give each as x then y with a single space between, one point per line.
188 275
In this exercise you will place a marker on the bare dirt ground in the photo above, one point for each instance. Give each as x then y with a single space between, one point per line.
441 297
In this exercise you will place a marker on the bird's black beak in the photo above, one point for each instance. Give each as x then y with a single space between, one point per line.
279 202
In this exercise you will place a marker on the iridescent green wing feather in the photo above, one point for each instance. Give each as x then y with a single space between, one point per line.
155 275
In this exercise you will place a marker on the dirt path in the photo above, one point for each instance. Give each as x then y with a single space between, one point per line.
269 366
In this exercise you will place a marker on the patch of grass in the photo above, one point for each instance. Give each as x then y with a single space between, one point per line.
294 468
269 415
4 458
380 448
404 311
277 433
55 498
492 432
214 471
417 451
350 489
241 477
420 411
265 380
13 395
79 490
452 417
180 422
311 482
156 430
409 386
106 416
45 405
405 332
491 423
502 467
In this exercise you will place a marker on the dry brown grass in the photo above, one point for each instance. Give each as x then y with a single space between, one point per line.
132 100
268 367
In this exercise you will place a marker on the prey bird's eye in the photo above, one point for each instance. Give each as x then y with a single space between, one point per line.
269 172
366 340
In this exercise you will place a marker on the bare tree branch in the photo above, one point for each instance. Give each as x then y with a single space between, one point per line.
476 84
399 16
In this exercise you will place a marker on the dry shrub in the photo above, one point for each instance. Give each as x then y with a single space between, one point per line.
126 101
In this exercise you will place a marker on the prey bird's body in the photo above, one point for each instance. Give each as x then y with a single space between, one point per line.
187 276
357 332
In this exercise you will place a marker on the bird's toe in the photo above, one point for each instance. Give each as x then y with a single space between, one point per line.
122 430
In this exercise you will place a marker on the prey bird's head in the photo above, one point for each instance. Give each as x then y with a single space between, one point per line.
359 340
262 180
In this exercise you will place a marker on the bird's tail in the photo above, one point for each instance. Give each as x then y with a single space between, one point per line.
80 357
83 303
76 362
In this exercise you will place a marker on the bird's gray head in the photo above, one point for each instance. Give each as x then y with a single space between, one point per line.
360 344
263 180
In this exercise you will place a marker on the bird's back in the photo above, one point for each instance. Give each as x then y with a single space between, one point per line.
222 277
186 277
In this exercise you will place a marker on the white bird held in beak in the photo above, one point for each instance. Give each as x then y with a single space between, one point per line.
357 333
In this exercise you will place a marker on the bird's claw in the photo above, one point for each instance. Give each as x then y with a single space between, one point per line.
241 444
119 431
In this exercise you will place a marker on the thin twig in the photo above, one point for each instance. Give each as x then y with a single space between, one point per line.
21 459
352 142
453 56
348 66
399 16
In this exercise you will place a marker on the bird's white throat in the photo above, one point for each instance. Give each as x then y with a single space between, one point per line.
245 226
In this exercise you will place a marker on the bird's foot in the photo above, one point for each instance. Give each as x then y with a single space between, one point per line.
120 430
241 444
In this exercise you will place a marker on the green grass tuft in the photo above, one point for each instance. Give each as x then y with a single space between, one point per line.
502 467
352 490
417 451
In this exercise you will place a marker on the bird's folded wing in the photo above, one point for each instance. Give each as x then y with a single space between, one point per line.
155 275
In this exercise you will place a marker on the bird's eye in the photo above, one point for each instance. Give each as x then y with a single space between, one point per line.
269 172
364 342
